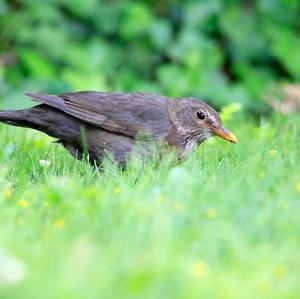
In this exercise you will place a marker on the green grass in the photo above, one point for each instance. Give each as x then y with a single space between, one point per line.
224 224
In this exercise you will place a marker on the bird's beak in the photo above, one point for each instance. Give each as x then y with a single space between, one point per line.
225 134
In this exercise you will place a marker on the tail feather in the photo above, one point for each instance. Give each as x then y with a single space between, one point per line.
51 121
14 118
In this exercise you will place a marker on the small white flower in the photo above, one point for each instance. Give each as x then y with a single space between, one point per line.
45 163
12 269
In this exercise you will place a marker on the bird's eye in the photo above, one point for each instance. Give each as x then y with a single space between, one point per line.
200 115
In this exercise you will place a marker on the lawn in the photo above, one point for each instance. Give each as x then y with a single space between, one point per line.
224 224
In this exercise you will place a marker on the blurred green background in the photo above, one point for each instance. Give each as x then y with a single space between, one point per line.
222 51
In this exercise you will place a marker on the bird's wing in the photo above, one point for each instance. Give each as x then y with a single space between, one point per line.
131 114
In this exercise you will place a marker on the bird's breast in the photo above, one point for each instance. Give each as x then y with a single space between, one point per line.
188 148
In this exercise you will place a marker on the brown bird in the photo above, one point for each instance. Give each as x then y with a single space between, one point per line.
121 125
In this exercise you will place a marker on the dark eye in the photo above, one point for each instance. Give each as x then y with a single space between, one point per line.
200 115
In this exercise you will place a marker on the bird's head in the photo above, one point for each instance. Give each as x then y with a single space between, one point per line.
197 120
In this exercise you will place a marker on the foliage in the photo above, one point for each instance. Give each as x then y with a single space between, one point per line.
189 231
220 50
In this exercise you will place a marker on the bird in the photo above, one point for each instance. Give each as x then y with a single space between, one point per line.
121 125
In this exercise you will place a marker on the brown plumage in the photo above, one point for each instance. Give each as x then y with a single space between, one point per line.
121 125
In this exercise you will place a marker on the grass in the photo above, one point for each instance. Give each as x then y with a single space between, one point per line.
224 224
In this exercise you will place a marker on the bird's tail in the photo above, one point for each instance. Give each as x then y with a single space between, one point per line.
44 118
14 118
29 117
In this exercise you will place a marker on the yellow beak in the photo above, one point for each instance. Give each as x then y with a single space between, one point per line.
225 134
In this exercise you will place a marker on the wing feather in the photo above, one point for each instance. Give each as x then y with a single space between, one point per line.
131 114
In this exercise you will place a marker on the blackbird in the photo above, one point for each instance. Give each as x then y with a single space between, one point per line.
121 124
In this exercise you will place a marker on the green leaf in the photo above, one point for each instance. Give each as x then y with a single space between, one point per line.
137 20
36 64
